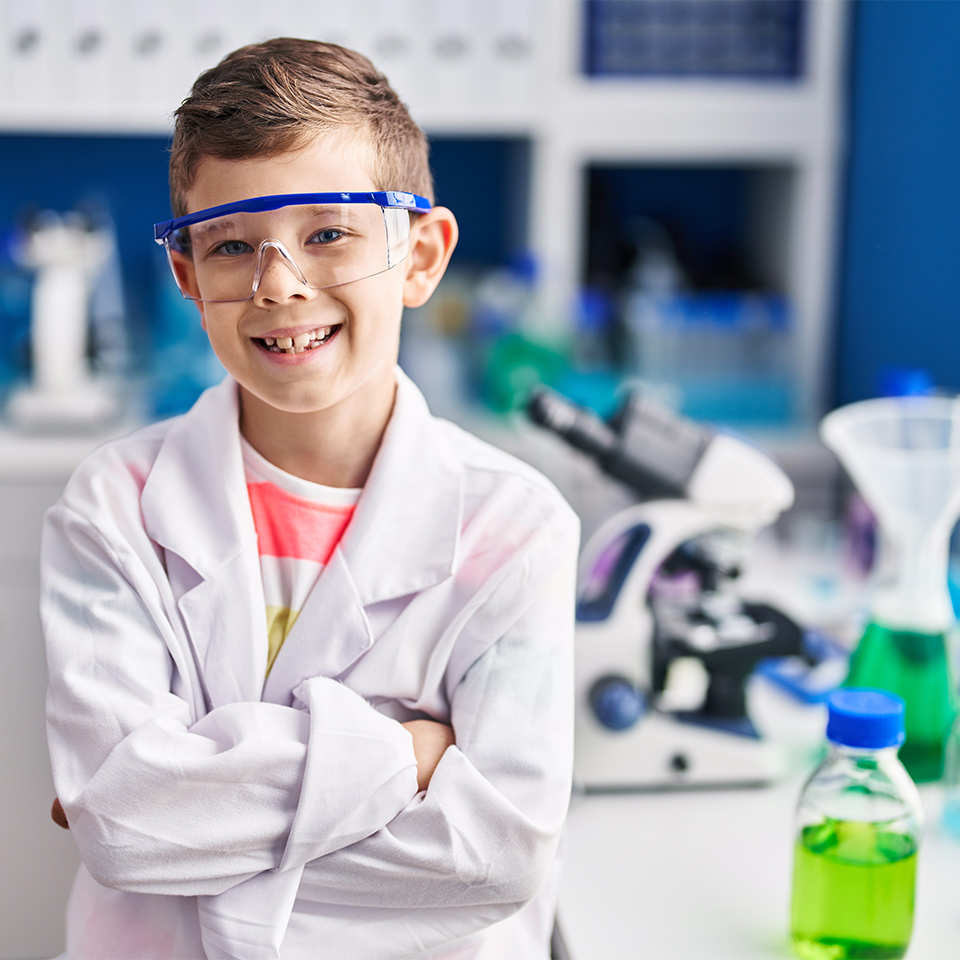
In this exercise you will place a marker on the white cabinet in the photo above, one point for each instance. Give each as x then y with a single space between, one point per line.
791 129
125 65
38 859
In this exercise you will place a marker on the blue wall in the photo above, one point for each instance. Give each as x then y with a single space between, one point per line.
899 303
127 176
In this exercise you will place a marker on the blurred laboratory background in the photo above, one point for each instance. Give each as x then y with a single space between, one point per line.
743 210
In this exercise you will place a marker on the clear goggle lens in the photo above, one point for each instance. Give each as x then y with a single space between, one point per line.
323 245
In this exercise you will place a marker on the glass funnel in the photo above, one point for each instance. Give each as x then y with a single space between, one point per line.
903 453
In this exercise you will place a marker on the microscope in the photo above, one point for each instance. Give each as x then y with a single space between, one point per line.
657 604
67 252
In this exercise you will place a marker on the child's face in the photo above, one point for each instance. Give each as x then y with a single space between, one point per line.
357 361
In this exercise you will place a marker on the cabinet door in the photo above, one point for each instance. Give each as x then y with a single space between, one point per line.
39 859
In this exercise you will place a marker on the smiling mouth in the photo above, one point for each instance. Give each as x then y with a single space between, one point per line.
300 343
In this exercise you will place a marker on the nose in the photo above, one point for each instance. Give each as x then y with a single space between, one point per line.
277 278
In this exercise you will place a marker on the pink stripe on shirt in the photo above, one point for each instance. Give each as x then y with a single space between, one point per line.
288 526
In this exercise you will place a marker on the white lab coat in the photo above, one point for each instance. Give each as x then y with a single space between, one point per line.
217 813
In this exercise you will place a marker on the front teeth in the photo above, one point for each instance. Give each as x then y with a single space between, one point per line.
299 343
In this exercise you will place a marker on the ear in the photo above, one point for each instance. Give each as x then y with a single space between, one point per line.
433 237
186 276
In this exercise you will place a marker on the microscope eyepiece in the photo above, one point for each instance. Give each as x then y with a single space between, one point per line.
549 410
580 428
650 450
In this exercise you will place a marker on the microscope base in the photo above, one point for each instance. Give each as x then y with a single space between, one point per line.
661 752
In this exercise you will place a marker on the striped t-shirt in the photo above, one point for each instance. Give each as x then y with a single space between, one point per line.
298 525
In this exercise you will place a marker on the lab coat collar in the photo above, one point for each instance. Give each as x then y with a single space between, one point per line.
195 502
404 534
402 539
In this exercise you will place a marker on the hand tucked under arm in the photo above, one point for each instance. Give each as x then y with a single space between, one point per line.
430 741
57 814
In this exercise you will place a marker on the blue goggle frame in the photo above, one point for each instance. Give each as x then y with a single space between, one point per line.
392 199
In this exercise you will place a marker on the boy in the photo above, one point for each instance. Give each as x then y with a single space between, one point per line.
257 758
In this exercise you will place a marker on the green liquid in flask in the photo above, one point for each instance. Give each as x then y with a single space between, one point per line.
853 886
916 667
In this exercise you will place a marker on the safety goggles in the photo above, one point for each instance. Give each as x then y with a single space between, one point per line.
324 239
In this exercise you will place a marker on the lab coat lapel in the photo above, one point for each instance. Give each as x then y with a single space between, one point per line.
330 633
405 533
225 617
195 505
402 539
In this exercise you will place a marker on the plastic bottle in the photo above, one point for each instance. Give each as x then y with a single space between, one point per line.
858 829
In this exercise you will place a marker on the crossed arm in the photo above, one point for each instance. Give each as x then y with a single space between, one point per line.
160 803
430 740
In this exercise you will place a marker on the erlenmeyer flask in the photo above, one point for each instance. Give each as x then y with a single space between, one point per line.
903 453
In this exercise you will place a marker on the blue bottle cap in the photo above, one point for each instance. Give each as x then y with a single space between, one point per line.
868 719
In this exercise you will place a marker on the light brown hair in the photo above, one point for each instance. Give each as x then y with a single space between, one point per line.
267 98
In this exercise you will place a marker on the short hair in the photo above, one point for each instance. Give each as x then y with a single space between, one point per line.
267 98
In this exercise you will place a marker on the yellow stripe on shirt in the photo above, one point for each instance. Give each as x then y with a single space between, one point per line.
280 621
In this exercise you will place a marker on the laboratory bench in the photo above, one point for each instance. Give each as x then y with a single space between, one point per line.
706 874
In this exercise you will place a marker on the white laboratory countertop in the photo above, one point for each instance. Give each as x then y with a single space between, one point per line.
706 874
33 456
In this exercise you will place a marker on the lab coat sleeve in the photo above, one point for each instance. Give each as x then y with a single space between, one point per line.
484 834
162 802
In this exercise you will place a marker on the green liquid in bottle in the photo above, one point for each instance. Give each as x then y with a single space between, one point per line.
853 886
916 667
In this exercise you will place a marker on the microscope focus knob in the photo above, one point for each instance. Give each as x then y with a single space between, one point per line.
616 702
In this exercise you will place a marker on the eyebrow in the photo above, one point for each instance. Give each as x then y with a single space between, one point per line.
343 212
201 231
334 210
328 208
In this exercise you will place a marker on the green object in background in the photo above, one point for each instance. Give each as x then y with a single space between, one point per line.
853 891
915 666
515 364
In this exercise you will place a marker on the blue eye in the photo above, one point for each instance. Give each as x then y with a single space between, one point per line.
328 235
233 248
